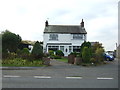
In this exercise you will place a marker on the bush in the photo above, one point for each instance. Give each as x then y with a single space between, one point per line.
24 53
57 57
51 52
99 54
37 52
93 60
86 55
59 53
21 62
12 55
73 53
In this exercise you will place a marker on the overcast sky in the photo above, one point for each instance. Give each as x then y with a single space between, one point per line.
27 18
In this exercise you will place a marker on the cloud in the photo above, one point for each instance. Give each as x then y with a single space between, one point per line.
27 17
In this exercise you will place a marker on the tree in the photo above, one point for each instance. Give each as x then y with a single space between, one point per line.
85 44
86 55
99 54
37 51
95 46
10 42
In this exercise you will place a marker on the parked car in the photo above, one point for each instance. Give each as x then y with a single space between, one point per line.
109 56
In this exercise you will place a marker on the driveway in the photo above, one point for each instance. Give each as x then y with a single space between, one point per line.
63 75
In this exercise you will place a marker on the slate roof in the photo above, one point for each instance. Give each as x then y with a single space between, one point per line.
72 29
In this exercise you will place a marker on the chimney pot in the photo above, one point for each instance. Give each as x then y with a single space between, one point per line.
46 23
82 23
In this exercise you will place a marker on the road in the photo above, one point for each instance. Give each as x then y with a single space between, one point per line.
63 75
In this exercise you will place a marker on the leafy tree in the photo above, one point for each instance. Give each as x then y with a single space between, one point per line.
37 51
86 55
10 42
85 44
95 46
99 54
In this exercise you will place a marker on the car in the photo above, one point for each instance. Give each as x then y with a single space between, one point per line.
109 56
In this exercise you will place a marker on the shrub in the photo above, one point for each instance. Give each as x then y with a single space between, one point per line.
37 52
86 55
51 52
59 53
21 62
99 54
25 53
93 60
12 55
57 57
19 53
73 53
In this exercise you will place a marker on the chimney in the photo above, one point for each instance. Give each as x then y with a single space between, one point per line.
46 23
82 23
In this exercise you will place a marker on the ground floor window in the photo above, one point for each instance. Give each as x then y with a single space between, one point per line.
76 48
62 48
70 49
54 48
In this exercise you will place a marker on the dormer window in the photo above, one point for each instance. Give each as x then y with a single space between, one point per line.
53 37
77 36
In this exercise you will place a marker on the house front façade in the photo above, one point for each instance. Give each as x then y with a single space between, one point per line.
67 38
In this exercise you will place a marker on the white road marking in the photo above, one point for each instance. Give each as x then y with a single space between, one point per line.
42 77
73 77
101 78
10 76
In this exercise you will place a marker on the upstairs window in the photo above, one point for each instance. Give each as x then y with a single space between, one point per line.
77 36
53 37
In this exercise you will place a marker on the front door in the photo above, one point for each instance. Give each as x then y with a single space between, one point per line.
66 51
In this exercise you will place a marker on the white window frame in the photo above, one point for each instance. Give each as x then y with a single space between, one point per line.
78 36
53 36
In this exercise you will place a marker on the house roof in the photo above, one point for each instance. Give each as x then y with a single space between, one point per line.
28 42
73 29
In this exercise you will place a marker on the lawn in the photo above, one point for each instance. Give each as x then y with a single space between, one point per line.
62 59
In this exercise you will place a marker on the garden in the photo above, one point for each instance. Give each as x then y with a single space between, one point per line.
89 55
13 55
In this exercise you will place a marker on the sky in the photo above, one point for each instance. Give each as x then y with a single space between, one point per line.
27 18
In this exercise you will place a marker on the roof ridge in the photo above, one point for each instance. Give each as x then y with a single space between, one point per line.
64 25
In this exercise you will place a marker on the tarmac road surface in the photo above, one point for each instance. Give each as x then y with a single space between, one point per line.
62 75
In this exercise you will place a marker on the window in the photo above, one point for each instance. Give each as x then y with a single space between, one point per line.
77 36
76 48
53 37
62 48
70 49
54 48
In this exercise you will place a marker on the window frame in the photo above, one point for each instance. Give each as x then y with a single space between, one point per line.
53 36
78 36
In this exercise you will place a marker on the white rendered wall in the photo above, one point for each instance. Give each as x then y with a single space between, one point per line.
62 38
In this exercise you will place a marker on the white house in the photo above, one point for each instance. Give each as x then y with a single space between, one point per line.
67 38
